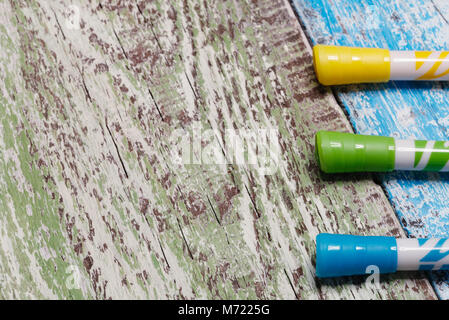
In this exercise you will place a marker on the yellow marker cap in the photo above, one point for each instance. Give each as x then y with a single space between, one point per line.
343 65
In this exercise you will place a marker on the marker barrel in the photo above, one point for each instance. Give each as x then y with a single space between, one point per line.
345 255
343 65
347 152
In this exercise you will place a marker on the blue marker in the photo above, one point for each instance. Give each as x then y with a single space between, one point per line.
346 255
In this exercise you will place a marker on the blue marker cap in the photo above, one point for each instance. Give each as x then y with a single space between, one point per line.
345 255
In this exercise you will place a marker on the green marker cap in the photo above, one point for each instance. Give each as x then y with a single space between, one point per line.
348 152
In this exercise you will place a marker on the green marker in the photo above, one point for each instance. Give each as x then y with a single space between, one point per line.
347 152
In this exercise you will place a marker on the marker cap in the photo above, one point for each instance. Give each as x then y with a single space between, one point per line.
345 255
348 152
342 65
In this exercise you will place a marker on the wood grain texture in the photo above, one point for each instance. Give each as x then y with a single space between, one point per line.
400 109
94 203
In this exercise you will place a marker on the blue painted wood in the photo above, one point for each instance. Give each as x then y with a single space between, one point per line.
399 109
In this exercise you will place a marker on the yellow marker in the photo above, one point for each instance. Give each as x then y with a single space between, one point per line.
343 65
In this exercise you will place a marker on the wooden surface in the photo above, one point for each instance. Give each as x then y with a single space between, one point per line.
94 203
400 109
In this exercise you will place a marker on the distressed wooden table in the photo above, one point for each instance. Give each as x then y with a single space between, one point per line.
99 100
399 109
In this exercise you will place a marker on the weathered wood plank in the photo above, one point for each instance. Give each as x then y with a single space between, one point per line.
399 109
94 201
